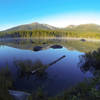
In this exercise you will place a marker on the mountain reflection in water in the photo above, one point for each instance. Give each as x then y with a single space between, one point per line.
56 78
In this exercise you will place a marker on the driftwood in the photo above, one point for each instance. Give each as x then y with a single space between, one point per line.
52 63
56 61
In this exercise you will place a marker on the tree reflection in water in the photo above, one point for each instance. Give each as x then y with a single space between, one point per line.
26 67
90 62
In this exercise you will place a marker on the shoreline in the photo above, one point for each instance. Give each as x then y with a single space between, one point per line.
58 38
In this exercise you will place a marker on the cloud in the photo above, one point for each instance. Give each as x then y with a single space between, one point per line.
63 20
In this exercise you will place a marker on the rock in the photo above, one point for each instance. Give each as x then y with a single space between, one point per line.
37 48
56 46
18 95
83 40
44 43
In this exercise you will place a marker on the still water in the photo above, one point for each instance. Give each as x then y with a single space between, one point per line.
60 76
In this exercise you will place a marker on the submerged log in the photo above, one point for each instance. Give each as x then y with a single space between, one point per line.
52 63
56 61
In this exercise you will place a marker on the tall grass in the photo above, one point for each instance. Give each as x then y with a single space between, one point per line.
5 83
26 67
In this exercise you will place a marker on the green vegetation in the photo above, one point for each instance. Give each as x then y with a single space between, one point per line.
84 27
6 83
39 95
92 61
44 30
28 68
83 91
50 33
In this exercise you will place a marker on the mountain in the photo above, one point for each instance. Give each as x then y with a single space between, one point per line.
38 26
33 26
84 27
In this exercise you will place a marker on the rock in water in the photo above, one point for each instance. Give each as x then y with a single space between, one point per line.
44 42
18 95
83 40
37 48
56 46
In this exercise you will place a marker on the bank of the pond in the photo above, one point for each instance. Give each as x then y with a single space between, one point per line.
58 38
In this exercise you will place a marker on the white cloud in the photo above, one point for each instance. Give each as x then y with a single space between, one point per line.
64 20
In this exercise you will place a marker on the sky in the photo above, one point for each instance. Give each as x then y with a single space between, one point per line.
59 13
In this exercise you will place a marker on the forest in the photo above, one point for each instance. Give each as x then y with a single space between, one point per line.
50 33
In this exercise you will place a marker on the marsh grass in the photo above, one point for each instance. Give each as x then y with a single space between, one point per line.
82 91
6 83
27 67
39 95
91 59
85 90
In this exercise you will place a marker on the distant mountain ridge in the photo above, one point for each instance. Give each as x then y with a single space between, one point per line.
84 27
45 30
38 26
33 26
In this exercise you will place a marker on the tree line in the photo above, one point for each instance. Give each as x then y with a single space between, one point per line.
50 33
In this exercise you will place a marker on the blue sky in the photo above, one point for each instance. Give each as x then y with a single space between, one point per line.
59 13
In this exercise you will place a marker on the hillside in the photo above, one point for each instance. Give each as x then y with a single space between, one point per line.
84 27
38 26
33 26
44 30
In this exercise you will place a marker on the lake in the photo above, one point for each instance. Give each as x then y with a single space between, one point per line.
60 76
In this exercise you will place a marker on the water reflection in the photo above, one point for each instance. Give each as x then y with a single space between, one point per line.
27 68
91 62
59 76
47 43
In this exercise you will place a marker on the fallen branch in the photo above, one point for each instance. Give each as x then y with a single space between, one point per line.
52 63
56 61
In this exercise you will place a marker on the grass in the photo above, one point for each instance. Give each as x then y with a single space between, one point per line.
27 67
5 84
83 91
39 95
91 60
6 81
